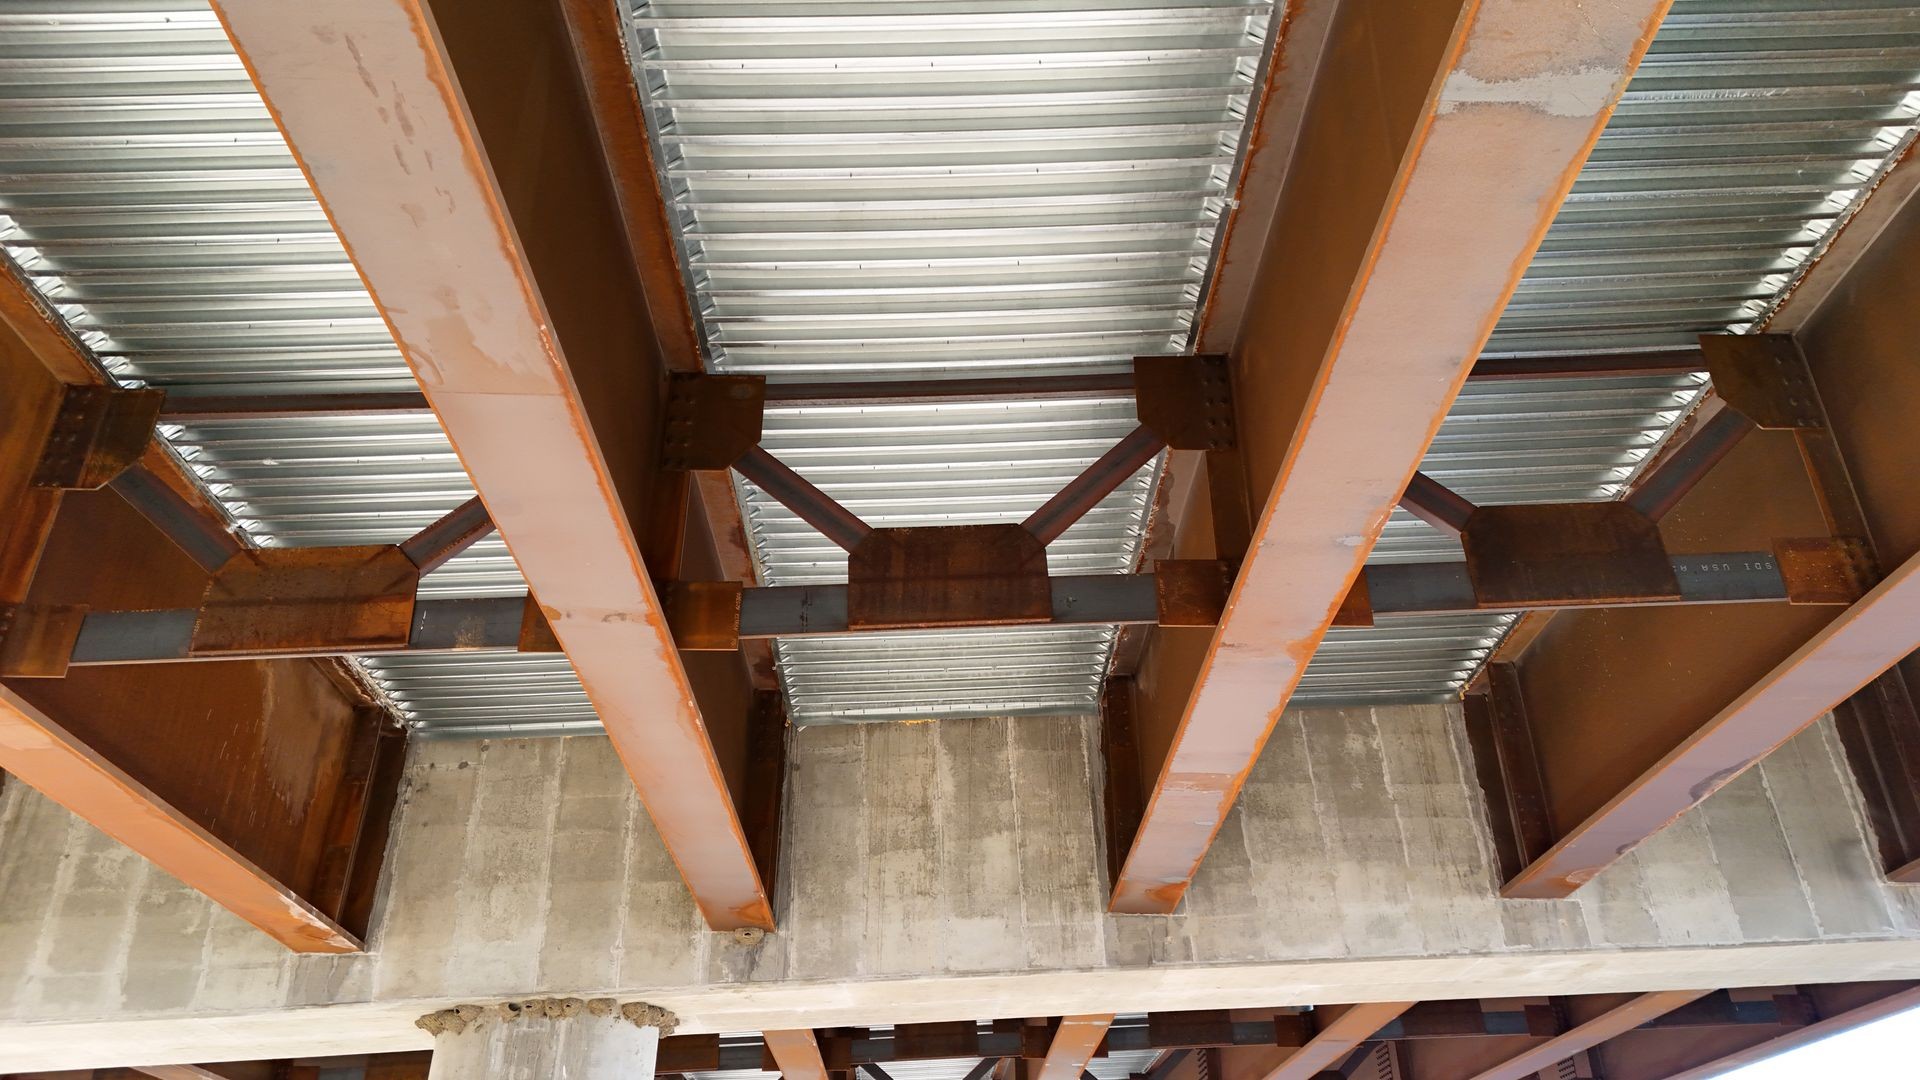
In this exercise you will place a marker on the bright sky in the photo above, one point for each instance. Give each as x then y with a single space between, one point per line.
1871 1050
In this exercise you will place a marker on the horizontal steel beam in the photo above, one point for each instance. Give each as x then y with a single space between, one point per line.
1731 577
166 635
499 623
1437 588
1173 1031
819 610
931 391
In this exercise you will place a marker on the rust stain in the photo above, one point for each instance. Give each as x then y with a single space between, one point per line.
678 776
614 100
1256 141
1216 710
44 755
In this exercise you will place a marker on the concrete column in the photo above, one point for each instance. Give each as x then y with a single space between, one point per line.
547 1039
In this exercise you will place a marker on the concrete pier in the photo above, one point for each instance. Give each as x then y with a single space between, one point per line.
545 1039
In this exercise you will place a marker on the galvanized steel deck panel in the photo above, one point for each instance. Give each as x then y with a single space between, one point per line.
148 196
1748 135
909 190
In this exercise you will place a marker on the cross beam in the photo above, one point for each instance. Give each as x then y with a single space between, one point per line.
1335 1037
300 866
206 408
1640 1010
1611 735
707 616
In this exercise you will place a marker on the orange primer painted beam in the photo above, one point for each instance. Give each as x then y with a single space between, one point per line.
797 1052
1338 1038
1591 1034
38 358
1075 1042
1878 631
1445 140
367 96
1897 1002
48 758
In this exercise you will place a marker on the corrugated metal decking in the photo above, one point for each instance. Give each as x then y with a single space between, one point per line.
1751 131
892 190
147 194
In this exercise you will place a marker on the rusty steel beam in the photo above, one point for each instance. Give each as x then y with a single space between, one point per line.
1074 1043
1786 1007
796 493
1825 1028
49 758
461 528
797 1052
1713 435
167 635
1436 504
598 41
1780 673
706 618
1866 639
179 1072
525 347
1620 365
1857 344
1640 1010
1096 482
1881 735
187 517
1429 224
210 407
1443 588
1466 1018
156 790
1508 769
1334 1039
1120 749
1172 1032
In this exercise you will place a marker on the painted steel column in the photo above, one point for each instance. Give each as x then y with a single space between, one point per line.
366 94
1441 142
1338 1038
545 1039
1591 1034
1074 1044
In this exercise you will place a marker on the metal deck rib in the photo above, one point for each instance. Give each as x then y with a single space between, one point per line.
1750 132
149 198
907 190
903 190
